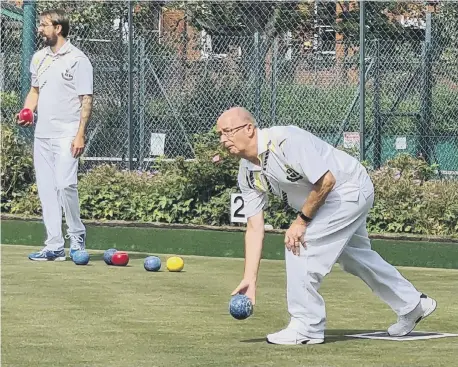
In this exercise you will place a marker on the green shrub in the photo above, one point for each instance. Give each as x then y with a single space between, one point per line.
11 105
407 198
17 166
408 201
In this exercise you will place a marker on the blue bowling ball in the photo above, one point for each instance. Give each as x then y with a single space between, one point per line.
108 254
152 263
240 307
81 257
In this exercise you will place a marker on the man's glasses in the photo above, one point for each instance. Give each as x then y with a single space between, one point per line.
231 132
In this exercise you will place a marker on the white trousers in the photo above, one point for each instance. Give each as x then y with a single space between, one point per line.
338 234
56 173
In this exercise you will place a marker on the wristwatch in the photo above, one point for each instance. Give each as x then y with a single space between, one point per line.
305 218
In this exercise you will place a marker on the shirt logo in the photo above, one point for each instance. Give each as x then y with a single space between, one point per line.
292 175
67 75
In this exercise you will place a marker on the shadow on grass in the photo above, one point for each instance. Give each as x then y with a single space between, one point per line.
331 336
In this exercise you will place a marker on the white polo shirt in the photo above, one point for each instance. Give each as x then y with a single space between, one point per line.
61 78
293 160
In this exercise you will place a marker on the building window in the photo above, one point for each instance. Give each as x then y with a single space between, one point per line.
218 45
324 38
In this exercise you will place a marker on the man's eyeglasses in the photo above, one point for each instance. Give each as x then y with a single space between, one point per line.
231 132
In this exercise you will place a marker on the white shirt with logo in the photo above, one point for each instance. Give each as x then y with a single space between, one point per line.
61 78
292 161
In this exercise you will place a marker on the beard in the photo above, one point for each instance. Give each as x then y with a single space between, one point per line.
50 41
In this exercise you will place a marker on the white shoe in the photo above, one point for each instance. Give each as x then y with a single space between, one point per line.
291 337
406 323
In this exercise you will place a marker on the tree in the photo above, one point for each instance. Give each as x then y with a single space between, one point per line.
381 22
445 31
245 18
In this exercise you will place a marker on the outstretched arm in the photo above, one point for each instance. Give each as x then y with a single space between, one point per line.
254 240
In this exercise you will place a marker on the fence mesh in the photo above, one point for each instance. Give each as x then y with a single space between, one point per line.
288 62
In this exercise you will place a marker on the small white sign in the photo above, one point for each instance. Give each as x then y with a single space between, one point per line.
157 144
351 140
416 335
237 209
401 143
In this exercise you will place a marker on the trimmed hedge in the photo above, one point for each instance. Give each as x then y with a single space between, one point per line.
408 199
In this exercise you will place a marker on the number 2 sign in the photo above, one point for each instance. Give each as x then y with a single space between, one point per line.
237 209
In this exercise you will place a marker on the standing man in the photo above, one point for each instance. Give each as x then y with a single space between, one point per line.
332 194
62 83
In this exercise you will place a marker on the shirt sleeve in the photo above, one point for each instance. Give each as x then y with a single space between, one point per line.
301 149
254 200
84 77
33 72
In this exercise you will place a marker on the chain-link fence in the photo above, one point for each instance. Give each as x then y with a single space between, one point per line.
165 70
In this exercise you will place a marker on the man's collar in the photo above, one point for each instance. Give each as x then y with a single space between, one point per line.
263 146
263 141
66 47
251 166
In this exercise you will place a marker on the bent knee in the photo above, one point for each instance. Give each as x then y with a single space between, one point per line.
347 263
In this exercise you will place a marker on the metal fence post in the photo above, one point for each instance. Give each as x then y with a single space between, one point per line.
426 94
362 77
130 107
257 79
377 112
141 99
273 100
28 44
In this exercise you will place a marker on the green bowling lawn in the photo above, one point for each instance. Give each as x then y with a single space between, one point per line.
60 314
